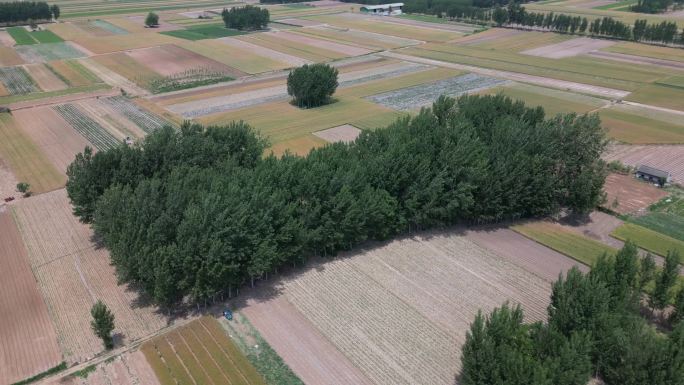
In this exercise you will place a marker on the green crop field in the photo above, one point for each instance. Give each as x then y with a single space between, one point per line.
199 353
553 101
639 129
24 37
665 223
201 32
574 245
648 239
663 96
46 37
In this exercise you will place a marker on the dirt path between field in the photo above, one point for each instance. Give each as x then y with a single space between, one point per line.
62 99
523 78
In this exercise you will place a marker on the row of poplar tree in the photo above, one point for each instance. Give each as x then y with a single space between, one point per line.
517 16
192 214
595 328
22 11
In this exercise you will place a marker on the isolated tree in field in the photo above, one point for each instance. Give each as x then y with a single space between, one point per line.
24 188
665 281
312 85
55 11
152 19
102 323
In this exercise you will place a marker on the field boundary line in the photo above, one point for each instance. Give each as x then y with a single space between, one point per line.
519 77
225 376
227 354
185 342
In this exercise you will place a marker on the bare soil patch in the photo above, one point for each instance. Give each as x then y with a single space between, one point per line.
323 44
627 195
569 48
290 60
29 342
53 135
345 133
598 225
8 183
524 252
64 259
665 157
638 59
304 349
46 80
6 39
130 368
169 60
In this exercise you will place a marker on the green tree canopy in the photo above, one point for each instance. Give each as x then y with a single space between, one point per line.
312 85
102 323
152 19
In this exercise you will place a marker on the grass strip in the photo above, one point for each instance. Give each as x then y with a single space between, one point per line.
224 360
201 32
21 36
46 373
154 360
207 359
555 237
177 369
191 362
648 239
51 94
46 37
668 224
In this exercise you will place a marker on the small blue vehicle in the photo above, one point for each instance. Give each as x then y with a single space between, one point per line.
228 314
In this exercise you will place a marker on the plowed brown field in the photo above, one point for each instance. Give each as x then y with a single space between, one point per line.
627 195
73 273
28 342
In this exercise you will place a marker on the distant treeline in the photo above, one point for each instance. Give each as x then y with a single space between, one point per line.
516 15
246 18
285 1
440 7
21 11
654 6
192 213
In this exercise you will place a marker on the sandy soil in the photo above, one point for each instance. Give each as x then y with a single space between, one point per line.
488 35
170 60
290 60
524 252
666 157
631 195
569 48
638 59
46 80
64 259
6 39
345 133
29 342
8 183
304 349
319 43
523 78
53 135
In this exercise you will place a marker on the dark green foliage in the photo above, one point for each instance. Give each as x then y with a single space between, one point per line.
647 271
55 11
152 20
199 211
24 188
39 376
102 323
594 326
653 6
665 281
678 313
22 11
312 85
248 17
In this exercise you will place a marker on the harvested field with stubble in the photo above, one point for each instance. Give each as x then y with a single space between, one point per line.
199 353
342 50
250 61
168 60
665 157
289 60
369 40
627 195
52 134
29 342
399 311
46 79
64 259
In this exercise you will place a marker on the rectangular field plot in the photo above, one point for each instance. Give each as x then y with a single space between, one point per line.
168 60
569 48
399 312
9 57
47 80
345 133
553 101
29 342
64 259
200 353
641 126
26 160
73 73
251 59
659 95
627 195
564 241
650 240
128 68
201 32
422 95
47 52
86 126
665 157
17 81
370 40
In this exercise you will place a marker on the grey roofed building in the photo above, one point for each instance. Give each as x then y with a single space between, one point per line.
653 174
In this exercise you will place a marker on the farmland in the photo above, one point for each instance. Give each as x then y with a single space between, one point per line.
201 32
199 352
89 128
17 81
47 52
648 239
626 195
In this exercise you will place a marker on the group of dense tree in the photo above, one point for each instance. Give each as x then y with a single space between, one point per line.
195 212
441 7
152 20
23 11
312 85
594 328
515 15
654 6
246 18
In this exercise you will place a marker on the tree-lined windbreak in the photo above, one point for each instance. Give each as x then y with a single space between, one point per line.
198 211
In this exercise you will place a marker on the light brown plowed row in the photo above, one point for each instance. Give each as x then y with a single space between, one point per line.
28 342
